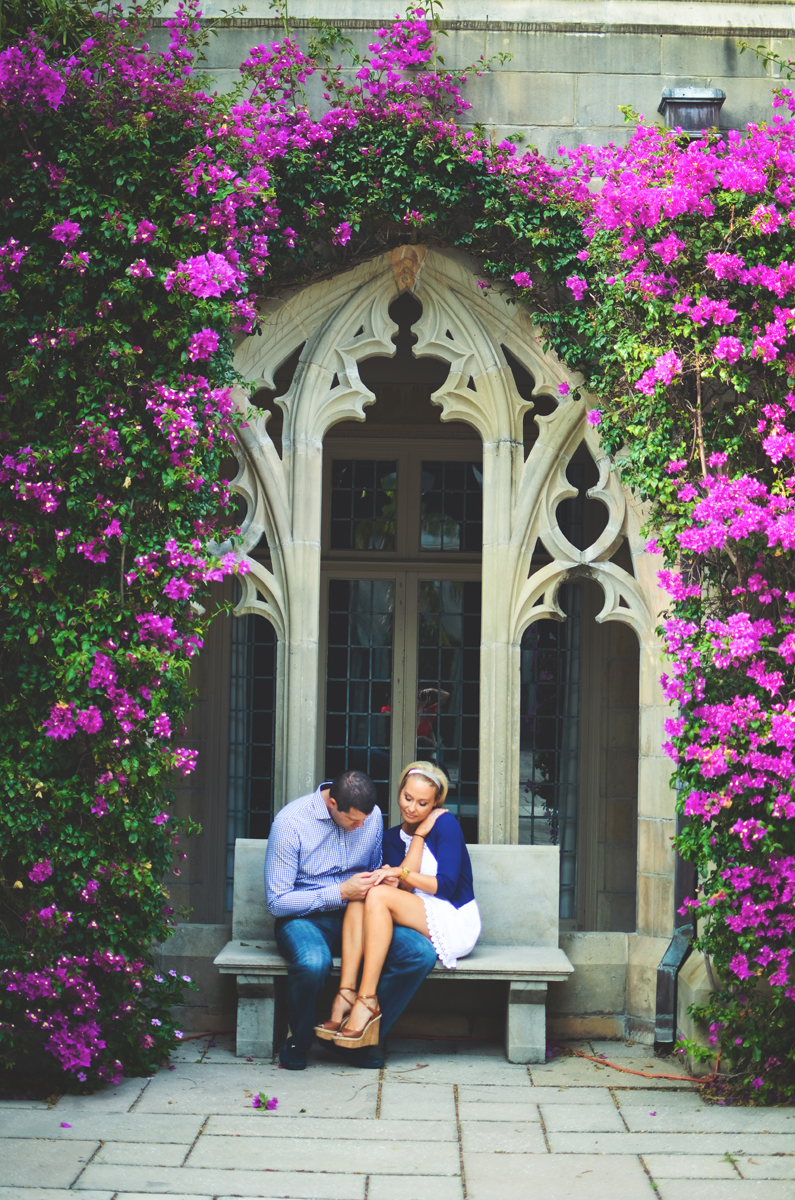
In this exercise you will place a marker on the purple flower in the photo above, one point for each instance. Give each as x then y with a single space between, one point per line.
594 417
155 1021
66 231
203 344
342 234
272 1104
162 726
89 719
757 1083
728 349
257 1101
140 269
160 819
61 722
65 1124
522 279
577 286
178 1033
204 275
563 389
145 232
41 871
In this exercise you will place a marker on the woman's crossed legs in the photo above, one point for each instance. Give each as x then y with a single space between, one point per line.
366 935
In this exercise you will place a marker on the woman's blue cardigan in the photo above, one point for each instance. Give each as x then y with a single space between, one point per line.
446 844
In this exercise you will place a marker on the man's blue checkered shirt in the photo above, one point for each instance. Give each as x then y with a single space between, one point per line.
309 856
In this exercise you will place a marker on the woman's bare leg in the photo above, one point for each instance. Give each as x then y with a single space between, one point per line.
384 908
352 942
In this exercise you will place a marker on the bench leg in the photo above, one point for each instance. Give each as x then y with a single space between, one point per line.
526 1023
255 1016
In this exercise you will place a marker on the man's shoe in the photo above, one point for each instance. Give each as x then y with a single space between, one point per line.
369 1058
292 1057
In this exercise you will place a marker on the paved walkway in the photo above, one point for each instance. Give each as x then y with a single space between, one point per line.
443 1121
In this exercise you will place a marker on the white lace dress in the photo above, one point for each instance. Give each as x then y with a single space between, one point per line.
454 931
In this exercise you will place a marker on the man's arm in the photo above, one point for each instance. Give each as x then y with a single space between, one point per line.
281 869
377 851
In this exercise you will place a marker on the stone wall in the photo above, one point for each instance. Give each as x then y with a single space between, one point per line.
573 63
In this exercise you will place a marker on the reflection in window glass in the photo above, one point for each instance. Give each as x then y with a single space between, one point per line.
448 690
549 739
359 679
363 504
252 702
452 506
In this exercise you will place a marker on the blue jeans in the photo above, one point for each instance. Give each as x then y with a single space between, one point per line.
308 943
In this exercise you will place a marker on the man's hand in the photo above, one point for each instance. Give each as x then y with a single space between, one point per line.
357 887
388 875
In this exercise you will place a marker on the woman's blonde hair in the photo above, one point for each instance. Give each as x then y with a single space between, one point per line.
432 773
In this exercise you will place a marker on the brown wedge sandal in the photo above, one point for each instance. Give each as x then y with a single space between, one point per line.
328 1029
368 1036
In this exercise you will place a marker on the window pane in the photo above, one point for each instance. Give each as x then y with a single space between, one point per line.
359 680
363 504
452 506
549 739
252 702
448 701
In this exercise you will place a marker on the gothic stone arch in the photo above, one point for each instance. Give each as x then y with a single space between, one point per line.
342 322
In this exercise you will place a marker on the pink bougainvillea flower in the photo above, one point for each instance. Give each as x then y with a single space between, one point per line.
162 726
65 1124
577 286
160 819
66 231
203 344
728 349
140 269
41 871
61 723
342 234
145 231
563 388
522 279
594 416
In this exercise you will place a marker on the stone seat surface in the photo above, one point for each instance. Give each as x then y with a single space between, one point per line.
547 963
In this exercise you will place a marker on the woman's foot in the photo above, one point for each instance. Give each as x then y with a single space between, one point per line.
362 1025
339 1011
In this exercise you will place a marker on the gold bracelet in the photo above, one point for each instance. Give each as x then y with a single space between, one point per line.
404 874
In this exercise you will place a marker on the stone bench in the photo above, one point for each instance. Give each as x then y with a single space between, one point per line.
517 892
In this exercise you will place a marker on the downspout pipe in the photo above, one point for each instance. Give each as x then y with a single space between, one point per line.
685 882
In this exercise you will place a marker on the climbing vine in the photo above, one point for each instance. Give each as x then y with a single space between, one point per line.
144 217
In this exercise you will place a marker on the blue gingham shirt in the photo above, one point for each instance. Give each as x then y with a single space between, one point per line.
309 856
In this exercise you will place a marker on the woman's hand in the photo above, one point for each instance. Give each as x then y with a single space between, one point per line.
388 875
425 827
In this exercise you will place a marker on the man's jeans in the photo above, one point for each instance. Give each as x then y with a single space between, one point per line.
308 943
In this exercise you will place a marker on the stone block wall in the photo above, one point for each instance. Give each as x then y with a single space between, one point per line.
573 64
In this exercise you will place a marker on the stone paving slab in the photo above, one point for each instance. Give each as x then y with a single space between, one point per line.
431 1187
502 1137
434 1100
763 1166
534 1095
36 1193
455 1068
669 1143
689 1166
334 1128
649 1098
53 1165
149 1196
486 1114
182 1181
121 1127
394 1157
726 1189
137 1154
709 1119
219 1089
582 1118
111 1099
575 1177
580 1072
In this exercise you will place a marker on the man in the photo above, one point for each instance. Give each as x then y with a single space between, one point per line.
322 852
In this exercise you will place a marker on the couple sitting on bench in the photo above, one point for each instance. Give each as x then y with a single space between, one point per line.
330 887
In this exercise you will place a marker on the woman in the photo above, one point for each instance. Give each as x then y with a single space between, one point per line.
425 884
